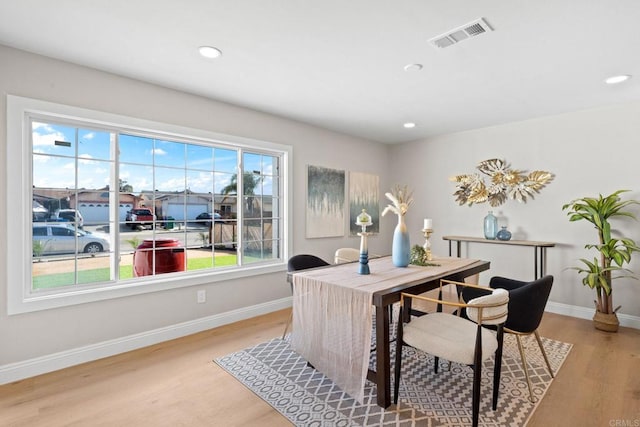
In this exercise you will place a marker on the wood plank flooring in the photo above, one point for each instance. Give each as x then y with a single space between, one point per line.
176 383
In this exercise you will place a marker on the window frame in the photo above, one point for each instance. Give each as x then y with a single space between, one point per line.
20 297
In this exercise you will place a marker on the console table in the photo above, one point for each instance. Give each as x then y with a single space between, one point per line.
539 249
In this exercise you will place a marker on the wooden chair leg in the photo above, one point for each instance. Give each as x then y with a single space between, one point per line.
544 353
398 364
497 367
477 374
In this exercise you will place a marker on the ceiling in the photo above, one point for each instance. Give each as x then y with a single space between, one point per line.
339 64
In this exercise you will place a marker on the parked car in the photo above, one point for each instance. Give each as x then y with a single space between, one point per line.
140 217
60 238
40 213
68 215
206 217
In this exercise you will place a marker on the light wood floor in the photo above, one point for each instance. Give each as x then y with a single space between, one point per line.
177 384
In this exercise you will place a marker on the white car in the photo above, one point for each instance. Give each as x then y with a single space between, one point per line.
69 215
49 239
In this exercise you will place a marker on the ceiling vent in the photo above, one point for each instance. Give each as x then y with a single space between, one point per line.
472 29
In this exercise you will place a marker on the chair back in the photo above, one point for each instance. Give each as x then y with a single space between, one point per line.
527 301
489 309
304 261
343 255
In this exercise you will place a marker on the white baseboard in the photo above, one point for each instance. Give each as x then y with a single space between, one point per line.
53 362
588 312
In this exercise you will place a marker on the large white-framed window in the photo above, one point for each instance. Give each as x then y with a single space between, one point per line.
104 206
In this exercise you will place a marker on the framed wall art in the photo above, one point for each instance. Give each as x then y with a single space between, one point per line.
325 202
364 191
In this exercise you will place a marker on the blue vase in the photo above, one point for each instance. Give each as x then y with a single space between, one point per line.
504 234
490 226
401 249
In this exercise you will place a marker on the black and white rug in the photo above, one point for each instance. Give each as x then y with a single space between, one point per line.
307 398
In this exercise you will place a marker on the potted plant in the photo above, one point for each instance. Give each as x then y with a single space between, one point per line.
613 252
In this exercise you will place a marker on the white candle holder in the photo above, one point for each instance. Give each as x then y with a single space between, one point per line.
427 244
364 220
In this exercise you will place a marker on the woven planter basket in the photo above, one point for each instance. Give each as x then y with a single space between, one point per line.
606 322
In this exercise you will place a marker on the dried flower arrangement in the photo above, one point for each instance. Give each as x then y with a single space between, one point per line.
401 199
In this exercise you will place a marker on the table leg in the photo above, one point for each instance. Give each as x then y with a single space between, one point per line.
383 357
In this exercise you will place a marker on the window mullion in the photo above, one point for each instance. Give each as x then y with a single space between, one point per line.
114 206
240 208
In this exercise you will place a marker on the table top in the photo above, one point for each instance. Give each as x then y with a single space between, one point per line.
386 282
499 242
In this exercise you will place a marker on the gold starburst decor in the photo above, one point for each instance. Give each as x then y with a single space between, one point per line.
503 183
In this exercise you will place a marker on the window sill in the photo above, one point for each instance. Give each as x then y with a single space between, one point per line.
25 304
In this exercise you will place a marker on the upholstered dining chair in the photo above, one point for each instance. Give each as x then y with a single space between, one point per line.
297 263
527 301
457 339
346 255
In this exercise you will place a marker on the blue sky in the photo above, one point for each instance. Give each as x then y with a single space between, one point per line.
177 165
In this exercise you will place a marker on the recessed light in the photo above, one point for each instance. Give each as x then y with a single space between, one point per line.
409 125
413 67
617 79
210 51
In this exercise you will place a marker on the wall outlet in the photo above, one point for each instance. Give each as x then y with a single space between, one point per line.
202 296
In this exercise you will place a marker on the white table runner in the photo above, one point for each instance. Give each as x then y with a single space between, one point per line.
332 314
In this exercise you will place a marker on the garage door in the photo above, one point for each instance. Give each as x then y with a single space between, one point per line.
99 213
193 210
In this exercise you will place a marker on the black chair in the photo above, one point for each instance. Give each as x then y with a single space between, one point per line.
297 263
451 337
527 301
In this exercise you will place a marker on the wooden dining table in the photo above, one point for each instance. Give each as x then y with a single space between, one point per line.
333 308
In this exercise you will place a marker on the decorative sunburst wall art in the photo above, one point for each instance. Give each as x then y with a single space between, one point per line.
504 183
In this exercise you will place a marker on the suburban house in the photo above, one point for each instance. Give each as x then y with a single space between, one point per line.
93 204
574 126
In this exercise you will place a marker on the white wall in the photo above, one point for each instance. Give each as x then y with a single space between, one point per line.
25 338
589 152
572 146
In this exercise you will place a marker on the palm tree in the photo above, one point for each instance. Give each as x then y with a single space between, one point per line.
124 187
250 182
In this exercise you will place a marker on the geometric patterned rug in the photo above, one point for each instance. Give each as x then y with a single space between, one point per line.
306 397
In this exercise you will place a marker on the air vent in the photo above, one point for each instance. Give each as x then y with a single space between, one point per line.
472 29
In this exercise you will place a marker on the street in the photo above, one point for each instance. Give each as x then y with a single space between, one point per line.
191 235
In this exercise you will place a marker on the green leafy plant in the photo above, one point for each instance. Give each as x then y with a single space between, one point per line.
38 248
614 252
418 257
134 242
204 238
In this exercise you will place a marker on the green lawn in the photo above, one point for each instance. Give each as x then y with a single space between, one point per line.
126 272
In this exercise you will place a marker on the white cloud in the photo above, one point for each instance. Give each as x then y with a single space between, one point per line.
159 152
48 139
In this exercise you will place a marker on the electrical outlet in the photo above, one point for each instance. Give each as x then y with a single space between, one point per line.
202 296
